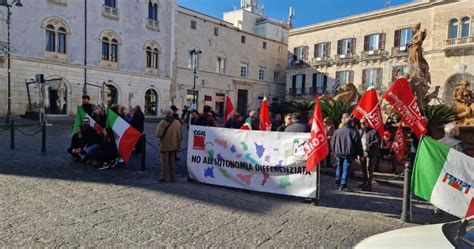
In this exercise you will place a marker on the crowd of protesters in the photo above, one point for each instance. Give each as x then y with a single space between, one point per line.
96 146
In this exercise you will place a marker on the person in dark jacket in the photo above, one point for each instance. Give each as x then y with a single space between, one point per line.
235 122
108 153
206 118
370 140
298 124
138 122
77 145
277 122
175 113
194 117
92 141
86 106
346 146
184 113
287 122
99 116
451 134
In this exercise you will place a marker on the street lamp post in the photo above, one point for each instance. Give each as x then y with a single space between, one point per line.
16 3
194 61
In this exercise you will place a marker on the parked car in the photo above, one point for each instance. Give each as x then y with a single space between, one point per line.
458 234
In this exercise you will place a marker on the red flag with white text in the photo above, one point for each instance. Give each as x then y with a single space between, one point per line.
369 108
317 147
229 109
398 145
265 124
401 97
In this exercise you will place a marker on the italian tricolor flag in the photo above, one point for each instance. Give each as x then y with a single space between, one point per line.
80 115
125 135
444 177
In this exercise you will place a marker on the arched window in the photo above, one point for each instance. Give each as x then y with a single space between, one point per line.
50 38
466 27
62 40
110 46
105 49
56 31
111 96
111 3
152 51
453 29
57 97
151 102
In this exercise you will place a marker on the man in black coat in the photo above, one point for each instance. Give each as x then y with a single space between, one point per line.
370 144
346 146
86 106
298 124
138 122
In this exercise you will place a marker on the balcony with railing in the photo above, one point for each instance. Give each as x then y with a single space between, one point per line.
296 64
321 61
316 90
377 54
400 51
153 24
459 46
110 12
345 58
296 92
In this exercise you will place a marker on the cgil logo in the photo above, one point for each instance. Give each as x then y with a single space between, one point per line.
199 140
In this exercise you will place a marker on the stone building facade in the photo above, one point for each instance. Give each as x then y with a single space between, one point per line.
239 61
122 49
372 48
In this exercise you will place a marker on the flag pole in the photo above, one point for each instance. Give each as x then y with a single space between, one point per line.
318 185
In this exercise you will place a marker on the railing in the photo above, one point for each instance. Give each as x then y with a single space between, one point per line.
373 54
318 61
399 51
345 58
459 41
296 91
109 11
316 90
153 23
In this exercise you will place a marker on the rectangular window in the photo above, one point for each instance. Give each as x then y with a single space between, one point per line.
319 83
216 31
148 58
299 53
242 39
244 70
155 60
221 65
345 46
402 38
374 42
261 73
321 50
264 45
299 84
50 41
62 43
193 60
193 24
343 77
105 51
372 76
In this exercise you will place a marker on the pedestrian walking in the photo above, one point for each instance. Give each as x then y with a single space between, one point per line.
370 140
169 133
346 145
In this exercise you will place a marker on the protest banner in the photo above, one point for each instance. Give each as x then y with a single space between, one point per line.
251 160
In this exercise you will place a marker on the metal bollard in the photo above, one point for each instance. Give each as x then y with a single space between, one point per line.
143 155
43 137
406 209
12 134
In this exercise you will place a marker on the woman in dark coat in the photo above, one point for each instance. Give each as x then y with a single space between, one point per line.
108 154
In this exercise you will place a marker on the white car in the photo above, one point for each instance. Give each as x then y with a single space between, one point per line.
458 234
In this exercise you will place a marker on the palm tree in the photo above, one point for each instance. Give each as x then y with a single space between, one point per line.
305 107
335 109
439 115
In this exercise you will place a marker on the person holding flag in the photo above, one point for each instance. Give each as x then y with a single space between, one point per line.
265 124
370 140
369 108
317 147
229 110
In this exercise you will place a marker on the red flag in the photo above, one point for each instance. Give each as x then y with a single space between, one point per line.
398 145
369 108
229 109
247 125
401 97
265 124
317 147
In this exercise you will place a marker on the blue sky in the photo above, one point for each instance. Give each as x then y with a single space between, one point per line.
307 11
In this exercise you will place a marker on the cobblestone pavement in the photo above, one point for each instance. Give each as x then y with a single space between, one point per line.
47 200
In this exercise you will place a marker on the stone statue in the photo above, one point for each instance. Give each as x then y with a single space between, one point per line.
464 102
347 93
419 68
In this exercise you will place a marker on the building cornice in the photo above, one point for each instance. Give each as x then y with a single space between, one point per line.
222 23
378 14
